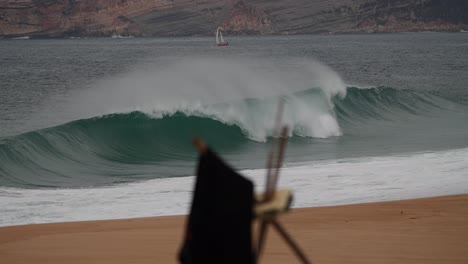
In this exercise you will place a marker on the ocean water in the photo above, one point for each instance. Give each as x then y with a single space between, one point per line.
102 128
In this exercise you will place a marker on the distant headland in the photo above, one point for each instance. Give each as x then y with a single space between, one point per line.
101 18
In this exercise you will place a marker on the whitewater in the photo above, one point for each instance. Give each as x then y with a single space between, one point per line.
94 134
325 183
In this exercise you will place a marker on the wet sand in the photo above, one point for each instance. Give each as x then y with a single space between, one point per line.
431 230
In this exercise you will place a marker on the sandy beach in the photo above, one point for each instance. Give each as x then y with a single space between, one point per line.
430 230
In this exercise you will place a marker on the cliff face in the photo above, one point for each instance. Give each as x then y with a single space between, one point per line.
369 16
402 15
74 17
245 18
61 18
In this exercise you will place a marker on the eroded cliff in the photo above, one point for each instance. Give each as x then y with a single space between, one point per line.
74 17
62 18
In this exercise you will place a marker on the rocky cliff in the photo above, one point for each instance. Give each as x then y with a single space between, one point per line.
74 17
62 18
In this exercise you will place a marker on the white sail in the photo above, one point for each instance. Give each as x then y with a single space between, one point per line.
219 36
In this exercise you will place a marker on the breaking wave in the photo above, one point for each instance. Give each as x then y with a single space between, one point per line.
124 147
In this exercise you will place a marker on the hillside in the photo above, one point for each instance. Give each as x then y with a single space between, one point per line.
66 18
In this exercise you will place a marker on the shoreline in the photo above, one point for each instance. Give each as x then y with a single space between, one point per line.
47 37
424 230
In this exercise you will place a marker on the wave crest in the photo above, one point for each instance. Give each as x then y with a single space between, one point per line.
156 143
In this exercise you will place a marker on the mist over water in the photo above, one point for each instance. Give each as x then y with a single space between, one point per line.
191 84
244 92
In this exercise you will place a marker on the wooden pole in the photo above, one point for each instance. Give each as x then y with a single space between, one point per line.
279 161
290 241
269 185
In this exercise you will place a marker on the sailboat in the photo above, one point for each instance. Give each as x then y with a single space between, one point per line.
219 37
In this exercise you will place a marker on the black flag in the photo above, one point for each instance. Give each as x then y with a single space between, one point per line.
219 228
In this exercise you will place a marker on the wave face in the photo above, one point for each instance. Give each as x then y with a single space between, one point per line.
387 103
124 147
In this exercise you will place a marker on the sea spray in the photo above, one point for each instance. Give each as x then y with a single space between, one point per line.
190 83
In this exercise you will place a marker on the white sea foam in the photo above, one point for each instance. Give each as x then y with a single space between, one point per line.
314 184
307 115
24 37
